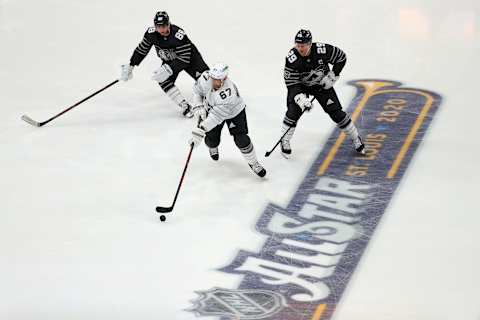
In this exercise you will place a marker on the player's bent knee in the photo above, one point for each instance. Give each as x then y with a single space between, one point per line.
212 142
293 113
337 115
241 140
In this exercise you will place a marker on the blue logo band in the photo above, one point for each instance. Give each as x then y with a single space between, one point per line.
314 244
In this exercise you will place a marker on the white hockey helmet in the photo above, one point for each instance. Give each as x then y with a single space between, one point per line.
219 71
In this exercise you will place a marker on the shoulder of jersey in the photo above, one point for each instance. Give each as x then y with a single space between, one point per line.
203 79
205 75
174 28
229 84
320 48
150 34
292 57
292 51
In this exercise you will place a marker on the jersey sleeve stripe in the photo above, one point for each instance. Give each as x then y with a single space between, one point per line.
342 57
292 83
337 55
142 52
183 51
332 54
184 60
143 47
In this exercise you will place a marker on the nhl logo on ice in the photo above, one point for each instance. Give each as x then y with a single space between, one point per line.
238 304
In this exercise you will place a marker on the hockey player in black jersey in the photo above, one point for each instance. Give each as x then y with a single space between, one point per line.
307 72
177 53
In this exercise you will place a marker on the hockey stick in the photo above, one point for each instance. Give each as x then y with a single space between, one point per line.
280 140
169 209
39 124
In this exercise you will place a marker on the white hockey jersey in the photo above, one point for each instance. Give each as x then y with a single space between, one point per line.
222 104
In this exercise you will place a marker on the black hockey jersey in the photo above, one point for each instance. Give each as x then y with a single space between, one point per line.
309 71
176 49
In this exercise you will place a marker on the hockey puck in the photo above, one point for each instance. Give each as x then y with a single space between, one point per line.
163 218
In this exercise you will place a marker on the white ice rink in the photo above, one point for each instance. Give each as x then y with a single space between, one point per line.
79 238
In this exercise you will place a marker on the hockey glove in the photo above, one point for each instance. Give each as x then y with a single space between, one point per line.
197 136
200 112
303 102
127 72
329 80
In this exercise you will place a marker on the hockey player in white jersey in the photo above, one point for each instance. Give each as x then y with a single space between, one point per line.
216 101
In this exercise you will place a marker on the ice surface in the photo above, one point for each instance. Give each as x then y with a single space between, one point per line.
79 238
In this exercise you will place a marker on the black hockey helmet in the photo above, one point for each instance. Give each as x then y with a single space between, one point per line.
303 36
161 18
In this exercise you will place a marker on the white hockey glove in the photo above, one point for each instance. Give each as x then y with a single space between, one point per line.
200 112
127 72
329 80
162 73
303 102
197 136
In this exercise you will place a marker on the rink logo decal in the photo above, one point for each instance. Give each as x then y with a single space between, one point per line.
243 304
313 245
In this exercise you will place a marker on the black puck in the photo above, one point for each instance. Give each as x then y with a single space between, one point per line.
163 218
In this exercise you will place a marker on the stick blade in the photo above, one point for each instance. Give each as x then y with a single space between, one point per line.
267 153
29 120
164 209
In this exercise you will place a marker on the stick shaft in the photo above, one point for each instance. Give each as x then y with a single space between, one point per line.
183 175
280 140
169 209
79 102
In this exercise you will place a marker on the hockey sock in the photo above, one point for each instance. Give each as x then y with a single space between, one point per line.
175 95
